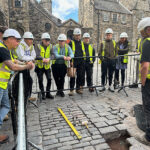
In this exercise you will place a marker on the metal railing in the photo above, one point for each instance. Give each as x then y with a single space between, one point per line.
21 138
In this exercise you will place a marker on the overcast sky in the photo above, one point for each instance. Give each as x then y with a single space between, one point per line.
65 9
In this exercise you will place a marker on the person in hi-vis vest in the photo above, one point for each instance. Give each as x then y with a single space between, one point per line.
63 53
90 52
122 48
107 54
144 29
79 63
11 40
43 64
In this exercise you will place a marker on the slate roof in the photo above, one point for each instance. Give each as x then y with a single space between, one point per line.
111 5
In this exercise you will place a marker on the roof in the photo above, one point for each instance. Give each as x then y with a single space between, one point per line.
111 6
70 20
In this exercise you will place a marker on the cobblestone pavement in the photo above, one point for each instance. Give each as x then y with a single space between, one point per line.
104 113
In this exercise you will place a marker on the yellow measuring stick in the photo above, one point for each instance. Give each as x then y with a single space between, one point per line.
70 124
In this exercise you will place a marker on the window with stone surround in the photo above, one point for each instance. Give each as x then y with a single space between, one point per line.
114 18
18 3
115 36
48 26
105 16
123 19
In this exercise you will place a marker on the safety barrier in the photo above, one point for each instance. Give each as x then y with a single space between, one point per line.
131 75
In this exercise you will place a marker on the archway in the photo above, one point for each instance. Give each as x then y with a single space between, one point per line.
70 34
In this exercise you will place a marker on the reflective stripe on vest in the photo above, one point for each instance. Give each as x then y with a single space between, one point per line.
74 48
66 52
14 54
4 72
104 46
90 49
44 54
141 48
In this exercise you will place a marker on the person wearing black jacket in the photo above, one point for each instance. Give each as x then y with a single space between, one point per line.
90 52
122 48
79 63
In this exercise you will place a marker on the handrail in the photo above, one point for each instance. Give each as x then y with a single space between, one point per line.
21 138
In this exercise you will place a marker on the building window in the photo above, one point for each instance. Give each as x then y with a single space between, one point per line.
105 16
123 19
114 18
115 36
18 3
47 26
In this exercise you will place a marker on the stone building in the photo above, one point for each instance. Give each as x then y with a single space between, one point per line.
29 15
120 15
95 16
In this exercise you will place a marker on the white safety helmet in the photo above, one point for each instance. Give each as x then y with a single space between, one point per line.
11 33
62 37
45 36
109 31
77 31
28 35
123 35
86 35
145 22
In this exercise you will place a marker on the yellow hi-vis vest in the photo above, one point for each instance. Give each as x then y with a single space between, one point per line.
14 53
148 75
125 59
44 54
90 49
103 51
66 52
4 72
139 44
83 48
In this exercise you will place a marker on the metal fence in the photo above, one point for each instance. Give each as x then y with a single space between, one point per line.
131 75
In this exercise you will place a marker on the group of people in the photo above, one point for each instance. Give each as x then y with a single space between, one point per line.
16 55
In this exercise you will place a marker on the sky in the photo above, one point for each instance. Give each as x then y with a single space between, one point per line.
65 9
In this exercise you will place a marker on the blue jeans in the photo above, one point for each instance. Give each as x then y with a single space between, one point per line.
4 104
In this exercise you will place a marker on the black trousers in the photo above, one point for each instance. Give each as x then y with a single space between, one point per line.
80 80
89 73
146 105
27 85
59 73
122 75
108 67
47 73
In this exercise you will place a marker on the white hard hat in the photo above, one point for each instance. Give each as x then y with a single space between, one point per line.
77 31
11 33
86 35
109 31
45 36
62 37
145 22
28 35
123 35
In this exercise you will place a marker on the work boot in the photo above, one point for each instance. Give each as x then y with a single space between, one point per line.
43 96
79 91
4 139
91 90
81 88
58 93
62 94
71 93
111 89
32 99
6 118
102 89
48 95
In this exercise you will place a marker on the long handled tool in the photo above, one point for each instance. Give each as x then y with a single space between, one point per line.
70 124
